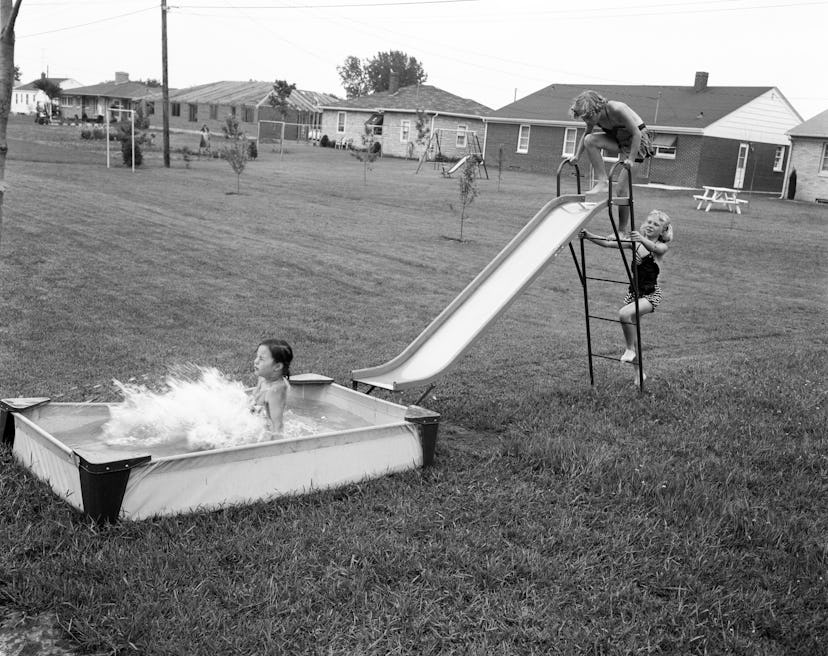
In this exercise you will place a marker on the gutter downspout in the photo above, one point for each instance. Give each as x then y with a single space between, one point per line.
787 177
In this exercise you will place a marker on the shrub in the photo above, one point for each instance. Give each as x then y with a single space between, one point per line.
126 152
98 133
252 150
86 133
324 141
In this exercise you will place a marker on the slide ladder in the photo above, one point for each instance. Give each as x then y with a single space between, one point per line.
629 266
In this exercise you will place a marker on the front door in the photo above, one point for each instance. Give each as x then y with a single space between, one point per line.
741 166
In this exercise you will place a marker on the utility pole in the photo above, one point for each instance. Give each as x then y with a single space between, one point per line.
165 93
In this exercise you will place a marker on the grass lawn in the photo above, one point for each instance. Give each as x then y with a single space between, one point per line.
559 517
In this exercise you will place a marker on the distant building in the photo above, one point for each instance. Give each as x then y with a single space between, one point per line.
719 136
28 99
808 169
391 119
100 102
210 104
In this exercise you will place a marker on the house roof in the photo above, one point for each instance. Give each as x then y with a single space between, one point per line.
30 86
816 126
415 97
128 89
252 92
671 106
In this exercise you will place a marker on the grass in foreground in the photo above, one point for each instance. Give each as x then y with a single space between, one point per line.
560 518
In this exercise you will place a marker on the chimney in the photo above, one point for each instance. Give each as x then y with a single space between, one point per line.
394 82
701 81
121 77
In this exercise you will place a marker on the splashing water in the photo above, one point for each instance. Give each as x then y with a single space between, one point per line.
201 408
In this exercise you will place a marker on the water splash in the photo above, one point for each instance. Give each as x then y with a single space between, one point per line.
200 409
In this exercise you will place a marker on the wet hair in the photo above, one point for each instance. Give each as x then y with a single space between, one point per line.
281 352
666 225
587 104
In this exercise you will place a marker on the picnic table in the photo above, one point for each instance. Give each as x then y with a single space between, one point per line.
720 195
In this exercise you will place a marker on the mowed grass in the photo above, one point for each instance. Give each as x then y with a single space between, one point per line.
559 517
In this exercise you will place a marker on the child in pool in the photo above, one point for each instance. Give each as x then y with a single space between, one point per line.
272 366
620 130
649 245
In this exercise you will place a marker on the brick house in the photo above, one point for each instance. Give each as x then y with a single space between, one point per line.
718 136
392 116
210 104
27 98
807 177
94 102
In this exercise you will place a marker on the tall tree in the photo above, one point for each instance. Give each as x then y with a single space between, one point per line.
373 75
378 70
280 95
8 16
353 77
47 86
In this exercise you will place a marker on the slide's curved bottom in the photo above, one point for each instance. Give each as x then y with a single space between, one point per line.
457 327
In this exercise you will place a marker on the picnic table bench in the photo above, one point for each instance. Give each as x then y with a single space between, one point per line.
720 195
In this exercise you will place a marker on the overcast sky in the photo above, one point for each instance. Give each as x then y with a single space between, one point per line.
491 51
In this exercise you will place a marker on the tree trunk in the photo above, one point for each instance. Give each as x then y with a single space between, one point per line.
8 16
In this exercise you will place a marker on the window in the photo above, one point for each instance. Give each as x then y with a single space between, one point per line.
405 131
523 139
247 114
176 109
570 140
340 122
823 166
779 158
374 124
214 112
460 142
193 112
664 146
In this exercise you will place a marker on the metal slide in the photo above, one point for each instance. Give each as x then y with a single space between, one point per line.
487 296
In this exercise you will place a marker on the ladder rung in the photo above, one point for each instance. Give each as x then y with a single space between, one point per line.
595 316
620 282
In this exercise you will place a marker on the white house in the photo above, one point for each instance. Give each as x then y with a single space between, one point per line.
27 98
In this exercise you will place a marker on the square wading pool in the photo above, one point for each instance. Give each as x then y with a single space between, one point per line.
61 443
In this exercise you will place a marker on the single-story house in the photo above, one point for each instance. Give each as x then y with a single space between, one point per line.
807 177
408 120
210 104
718 136
102 101
28 99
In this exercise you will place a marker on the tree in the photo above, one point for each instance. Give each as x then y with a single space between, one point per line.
368 154
17 74
378 70
373 75
468 188
279 97
8 16
236 156
353 77
47 86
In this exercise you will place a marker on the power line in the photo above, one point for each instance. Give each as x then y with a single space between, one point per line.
330 6
95 22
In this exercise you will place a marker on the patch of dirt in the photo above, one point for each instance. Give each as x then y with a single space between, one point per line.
32 635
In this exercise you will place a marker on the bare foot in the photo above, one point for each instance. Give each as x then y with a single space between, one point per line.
643 375
601 187
628 356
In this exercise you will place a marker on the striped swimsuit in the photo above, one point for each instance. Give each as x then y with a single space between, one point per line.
647 280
